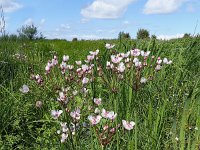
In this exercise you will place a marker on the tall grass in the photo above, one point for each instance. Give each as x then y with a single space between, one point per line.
166 111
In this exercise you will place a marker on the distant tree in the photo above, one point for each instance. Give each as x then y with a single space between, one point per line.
74 39
142 34
123 35
187 35
154 36
28 31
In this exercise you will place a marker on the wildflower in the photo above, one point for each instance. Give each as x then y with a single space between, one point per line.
75 92
85 68
121 67
109 46
94 119
97 101
115 59
56 113
177 139
96 111
135 52
38 104
104 113
143 80
85 80
158 67
112 115
78 62
128 125
159 61
145 54
75 114
64 136
24 89
65 58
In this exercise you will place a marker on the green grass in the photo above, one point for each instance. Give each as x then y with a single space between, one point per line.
165 108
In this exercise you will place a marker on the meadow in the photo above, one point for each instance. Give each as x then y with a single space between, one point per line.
122 97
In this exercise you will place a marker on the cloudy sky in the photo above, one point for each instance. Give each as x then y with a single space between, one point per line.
94 19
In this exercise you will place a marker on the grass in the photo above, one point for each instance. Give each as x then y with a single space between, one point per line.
166 110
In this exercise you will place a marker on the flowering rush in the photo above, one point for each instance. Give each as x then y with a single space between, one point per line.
24 89
128 125
56 113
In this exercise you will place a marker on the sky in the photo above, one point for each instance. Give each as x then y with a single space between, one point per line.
97 19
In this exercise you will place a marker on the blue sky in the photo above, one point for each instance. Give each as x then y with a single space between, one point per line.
94 19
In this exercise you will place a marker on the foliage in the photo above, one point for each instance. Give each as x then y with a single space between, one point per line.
29 32
142 34
166 110
123 35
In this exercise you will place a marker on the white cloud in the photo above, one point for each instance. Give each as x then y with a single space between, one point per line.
10 5
106 9
168 37
162 6
28 21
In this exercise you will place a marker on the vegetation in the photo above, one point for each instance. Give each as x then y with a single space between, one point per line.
142 34
165 109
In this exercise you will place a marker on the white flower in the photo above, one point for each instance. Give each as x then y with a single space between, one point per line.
169 62
94 120
78 62
56 113
24 89
145 54
109 46
96 111
138 64
64 137
75 92
97 101
165 60
85 80
176 138
128 125
65 58
143 80
158 67
121 67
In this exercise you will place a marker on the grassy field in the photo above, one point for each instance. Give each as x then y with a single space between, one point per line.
165 109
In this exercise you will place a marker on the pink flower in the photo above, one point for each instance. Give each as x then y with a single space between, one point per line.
109 46
64 136
56 113
85 68
97 101
145 54
104 113
112 115
85 80
135 52
158 68
65 58
128 125
24 89
115 59
121 68
76 114
94 119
